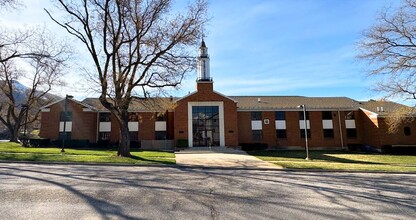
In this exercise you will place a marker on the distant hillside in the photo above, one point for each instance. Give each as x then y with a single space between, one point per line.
21 91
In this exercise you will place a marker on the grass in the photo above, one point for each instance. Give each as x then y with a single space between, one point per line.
339 160
15 152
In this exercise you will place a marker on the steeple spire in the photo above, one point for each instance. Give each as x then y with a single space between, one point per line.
203 63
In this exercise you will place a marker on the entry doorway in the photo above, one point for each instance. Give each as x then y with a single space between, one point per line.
205 126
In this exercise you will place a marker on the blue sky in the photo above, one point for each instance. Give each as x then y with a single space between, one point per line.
275 47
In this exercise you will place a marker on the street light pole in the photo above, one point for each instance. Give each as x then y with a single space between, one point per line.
26 107
65 116
306 130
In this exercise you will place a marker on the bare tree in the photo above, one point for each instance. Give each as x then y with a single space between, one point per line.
41 65
135 45
389 47
9 4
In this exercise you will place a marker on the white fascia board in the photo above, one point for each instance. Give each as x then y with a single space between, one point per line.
45 110
371 112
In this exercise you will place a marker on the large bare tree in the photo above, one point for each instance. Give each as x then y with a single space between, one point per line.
389 47
135 45
34 57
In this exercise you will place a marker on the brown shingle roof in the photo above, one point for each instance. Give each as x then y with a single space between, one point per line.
267 103
291 102
138 104
383 108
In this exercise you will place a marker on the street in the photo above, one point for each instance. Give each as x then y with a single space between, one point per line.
46 191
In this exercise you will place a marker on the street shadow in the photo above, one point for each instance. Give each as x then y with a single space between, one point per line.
235 193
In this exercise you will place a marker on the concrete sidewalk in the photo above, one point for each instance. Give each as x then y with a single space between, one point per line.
220 157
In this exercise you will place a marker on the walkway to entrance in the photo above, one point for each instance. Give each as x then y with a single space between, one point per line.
220 157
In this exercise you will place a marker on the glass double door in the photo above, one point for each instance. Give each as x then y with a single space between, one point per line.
205 126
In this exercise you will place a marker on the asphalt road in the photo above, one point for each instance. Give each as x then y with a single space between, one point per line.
29 191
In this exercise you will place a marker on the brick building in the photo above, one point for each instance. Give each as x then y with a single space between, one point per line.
206 117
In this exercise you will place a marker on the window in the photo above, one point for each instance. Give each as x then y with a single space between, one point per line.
281 133
407 131
301 115
302 133
134 136
66 135
349 115
133 117
326 115
279 115
256 116
160 135
66 116
161 116
351 133
328 133
105 117
104 136
257 135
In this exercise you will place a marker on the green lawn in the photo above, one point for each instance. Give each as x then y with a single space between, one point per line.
339 160
14 151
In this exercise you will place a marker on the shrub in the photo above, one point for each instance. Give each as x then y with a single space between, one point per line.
182 143
253 146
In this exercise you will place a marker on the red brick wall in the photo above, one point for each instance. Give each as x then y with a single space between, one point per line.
147 125
376 132
317 139
205 94
84 124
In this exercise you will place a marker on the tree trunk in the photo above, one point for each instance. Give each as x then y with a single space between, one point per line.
124 142
14 135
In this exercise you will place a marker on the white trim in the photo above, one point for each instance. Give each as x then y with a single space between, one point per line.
133 125
350 123
302 124
327 124
280 124
218 93
104 127
68 126
45 110
371 112
160 126
73 100
256 125
221 118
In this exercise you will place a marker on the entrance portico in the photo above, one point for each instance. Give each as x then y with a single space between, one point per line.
206 124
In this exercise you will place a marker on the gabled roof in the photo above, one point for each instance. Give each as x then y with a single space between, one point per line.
194 92
383 108
86 105
291 102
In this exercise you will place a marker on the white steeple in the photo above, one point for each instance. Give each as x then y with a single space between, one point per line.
203 63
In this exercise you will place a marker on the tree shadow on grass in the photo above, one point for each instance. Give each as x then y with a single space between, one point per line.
314 155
